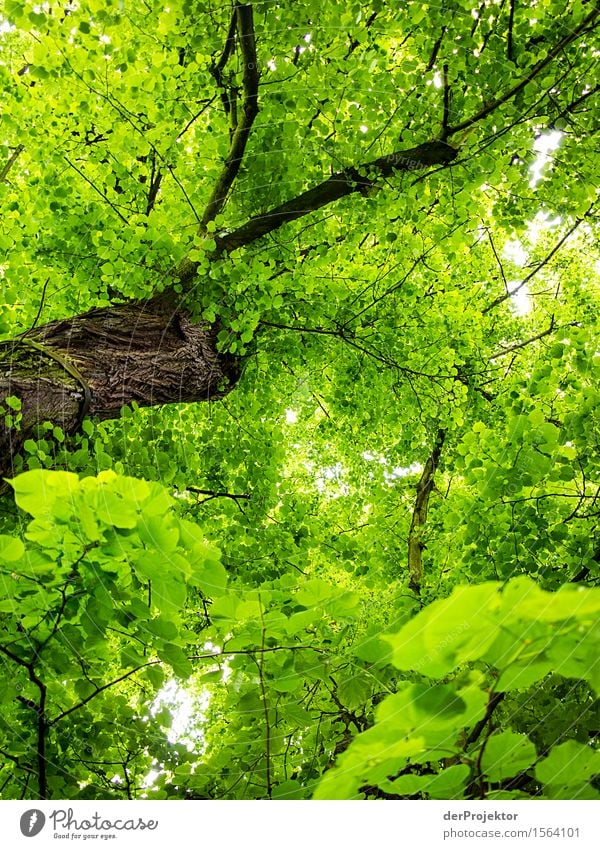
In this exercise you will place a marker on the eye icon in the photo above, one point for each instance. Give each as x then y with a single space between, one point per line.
32 822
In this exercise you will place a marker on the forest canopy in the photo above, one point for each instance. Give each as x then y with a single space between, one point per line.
299 398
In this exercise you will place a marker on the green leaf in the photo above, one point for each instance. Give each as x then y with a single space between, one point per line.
448 632
37 490
449 783
176 658
155 532
11 548
507 754
208 574
568 764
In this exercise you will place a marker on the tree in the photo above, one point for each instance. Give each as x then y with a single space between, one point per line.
366 237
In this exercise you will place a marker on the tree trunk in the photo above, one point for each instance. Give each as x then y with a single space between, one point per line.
95 363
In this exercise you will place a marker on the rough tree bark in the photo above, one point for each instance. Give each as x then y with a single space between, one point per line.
95 363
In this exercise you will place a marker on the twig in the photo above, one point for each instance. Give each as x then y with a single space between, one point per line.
96 189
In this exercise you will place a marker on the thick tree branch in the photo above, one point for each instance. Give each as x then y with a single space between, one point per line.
151 353
10 162
419 517
364 177
510 52
341 184
245 30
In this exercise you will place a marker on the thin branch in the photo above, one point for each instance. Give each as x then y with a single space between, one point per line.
538 267
464 379
301 329
218 68
435 51
41 306
446 115
262 650
99 690
503 351
211 656
578 101
354 42
259 663
571 495
196 116
476 784
213 494
96 189
537 69
494 701
344 335
42 722
42 727
498 260
126 115
17 762
155 181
